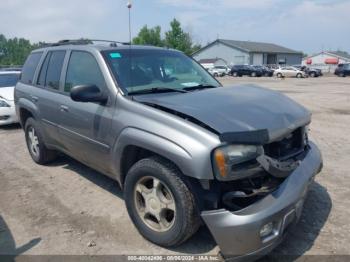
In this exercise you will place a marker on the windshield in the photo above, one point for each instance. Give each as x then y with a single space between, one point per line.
140 70
7 80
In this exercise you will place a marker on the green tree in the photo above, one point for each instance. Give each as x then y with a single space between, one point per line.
178 39
14 51
149 36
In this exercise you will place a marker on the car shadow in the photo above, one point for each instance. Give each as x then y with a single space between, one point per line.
8 249
298 241
10 127
90 174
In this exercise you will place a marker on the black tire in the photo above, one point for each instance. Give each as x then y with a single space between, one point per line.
44 155
313 74
235 74
216 75
299 75
187 220
279 75
253 74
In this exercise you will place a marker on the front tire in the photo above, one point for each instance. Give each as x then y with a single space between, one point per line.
35 143
279 75
253 74
159 203
299 75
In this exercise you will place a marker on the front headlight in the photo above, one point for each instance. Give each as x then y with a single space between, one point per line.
3 103
225 158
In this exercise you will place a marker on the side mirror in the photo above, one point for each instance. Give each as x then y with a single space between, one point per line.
87 93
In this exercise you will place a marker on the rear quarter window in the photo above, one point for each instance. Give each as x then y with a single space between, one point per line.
29 67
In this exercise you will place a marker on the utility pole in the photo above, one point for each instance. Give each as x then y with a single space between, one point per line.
129 6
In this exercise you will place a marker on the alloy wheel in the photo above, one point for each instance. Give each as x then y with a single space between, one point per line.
155 204
33 141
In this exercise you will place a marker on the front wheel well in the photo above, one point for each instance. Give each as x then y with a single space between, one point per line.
132 154
24 114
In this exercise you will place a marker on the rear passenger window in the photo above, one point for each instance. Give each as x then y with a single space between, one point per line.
83 70
54 69
43 70
29 67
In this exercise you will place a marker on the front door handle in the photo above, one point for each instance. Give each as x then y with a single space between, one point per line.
64 108
34 98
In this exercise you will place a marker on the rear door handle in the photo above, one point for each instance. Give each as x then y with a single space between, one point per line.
64 108
34 98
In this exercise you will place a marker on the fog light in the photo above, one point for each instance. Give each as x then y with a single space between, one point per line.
266 230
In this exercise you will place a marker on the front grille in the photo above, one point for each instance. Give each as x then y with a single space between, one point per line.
289 146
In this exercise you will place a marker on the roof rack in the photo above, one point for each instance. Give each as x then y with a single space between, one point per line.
87 42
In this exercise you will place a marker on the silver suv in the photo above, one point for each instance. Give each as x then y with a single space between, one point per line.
185 150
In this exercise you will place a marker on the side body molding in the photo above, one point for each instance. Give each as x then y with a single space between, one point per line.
136 137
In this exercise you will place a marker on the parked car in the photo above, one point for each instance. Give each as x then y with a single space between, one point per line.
265 70
8 80
245 70
183 148
219 71
342 70
289 71
312 72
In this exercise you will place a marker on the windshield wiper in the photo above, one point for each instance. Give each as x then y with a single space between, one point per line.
156 90
198 87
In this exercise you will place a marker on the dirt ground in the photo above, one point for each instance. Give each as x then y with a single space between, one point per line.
68 209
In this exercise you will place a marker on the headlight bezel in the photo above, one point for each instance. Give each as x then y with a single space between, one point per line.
227 156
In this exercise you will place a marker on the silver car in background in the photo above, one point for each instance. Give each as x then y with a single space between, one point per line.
289 71
8 80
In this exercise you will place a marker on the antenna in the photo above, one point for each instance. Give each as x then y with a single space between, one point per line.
129 6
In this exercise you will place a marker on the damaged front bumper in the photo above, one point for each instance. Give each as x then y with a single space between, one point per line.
239 233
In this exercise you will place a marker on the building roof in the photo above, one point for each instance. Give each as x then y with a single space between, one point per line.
339 54
210 60
253 47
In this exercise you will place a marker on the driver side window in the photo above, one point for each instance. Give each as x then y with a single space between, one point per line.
83 70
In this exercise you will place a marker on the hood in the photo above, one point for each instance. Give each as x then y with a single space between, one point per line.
7 93
246 109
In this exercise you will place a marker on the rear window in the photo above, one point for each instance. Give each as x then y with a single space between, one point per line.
7 80
54 69
30 67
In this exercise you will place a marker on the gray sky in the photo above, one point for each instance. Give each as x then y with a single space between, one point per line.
305 25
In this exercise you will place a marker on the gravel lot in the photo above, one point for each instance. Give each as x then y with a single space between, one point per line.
67 208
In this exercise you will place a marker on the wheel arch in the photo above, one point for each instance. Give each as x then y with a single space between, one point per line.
134 144
26 109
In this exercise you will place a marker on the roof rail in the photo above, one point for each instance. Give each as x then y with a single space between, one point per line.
87 42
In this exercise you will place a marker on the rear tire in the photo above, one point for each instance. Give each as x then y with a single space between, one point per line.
299 75
145 210
279 75
35 143
313 74
235 74
253 74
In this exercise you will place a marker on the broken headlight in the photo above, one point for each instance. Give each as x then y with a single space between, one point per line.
226 157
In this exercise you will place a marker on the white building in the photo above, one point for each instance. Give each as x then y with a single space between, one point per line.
327 60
